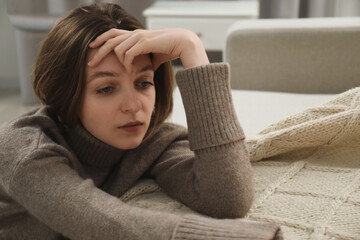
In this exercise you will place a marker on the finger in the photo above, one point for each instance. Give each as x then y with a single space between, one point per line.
102 38
122 49
105 49
136 50
143 47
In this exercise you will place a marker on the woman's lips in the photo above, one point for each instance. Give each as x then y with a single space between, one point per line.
131 126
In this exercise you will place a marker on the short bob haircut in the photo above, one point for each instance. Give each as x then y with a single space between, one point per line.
59 72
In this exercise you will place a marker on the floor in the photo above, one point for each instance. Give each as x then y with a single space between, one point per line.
11 105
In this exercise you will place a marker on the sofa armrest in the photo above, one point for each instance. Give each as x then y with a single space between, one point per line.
314 55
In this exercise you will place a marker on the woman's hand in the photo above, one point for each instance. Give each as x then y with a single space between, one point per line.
165 45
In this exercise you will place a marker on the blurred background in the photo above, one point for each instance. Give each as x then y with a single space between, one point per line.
24 23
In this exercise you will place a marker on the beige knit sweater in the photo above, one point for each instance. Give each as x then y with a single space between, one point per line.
60 182
306 171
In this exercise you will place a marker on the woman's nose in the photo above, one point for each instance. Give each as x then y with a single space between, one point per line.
130 102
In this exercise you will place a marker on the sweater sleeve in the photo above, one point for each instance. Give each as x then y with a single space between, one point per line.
50 190
210 172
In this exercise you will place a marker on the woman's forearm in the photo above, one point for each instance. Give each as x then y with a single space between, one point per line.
215 178
49 189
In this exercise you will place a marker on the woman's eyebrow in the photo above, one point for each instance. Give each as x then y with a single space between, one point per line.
145 68
102 74
112 74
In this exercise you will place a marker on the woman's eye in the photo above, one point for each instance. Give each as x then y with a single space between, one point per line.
104 90
145 84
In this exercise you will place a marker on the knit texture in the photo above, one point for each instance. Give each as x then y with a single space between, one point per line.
310 181
306 172
219 115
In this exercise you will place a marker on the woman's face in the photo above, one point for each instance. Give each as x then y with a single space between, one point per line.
117 104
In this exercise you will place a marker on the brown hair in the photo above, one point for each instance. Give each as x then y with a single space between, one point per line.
59 73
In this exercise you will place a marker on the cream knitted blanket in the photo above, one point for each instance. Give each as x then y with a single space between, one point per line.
306 171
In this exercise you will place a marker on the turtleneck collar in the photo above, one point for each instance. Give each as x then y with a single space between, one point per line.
91 150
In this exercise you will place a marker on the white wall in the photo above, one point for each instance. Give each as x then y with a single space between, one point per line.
136 7
8 59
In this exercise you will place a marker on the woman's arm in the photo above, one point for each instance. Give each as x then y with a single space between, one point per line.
50 190
216 179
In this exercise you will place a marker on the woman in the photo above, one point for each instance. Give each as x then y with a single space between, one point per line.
107 88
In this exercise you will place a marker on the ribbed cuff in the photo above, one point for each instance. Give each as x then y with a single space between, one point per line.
210 113
201 228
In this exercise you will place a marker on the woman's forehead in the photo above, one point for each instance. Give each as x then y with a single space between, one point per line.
144 58
111 63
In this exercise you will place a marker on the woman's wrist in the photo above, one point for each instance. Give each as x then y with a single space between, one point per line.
195 60
194 53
